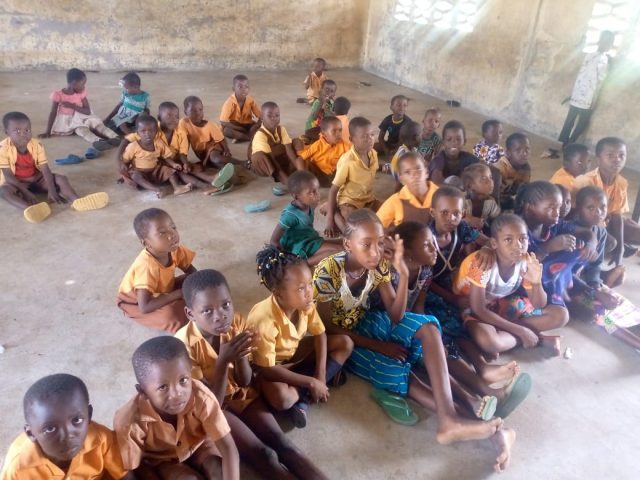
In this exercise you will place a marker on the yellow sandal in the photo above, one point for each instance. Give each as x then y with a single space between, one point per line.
93 201
37 213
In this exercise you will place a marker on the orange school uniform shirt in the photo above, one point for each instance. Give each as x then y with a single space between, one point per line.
98 457
9 156
345 128
232 112
616 192
179 143
392 211
200 137
324 155
512 178
315 84
145 159
143 435
204 359
564 178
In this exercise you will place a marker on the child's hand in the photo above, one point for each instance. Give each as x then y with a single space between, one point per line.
608 299
588 253
398 255
475 222
331 230
533 274
561 242
528 337
486 258
226 152
235 349
73 106
123 168
186 167
318 390
393 350
44 135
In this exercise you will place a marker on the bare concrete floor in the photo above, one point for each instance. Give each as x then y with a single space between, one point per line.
59 280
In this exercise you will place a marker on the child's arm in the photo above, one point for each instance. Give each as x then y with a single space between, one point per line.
52 192
50 120
418 307
277 235
291 154
460 301
533 276
122 165
230 458
235 351
278 373
84 108
616 229
113 113
148 303
320 346
395 301
381 139
331 230
11 179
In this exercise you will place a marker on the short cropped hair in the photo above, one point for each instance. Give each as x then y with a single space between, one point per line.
446 191
167 106
432 110
239 78
298 180
190 100
146 118
514 138
75 74
154 351
199 281
395 98
588 192
326 122
14 117
341 106
472 171
406 157
132 78
607 142
359 217
407 128
269 106
503 220
454 125
408 231
143 219
328 81
53 386
357 122
486 125
321 60
572 150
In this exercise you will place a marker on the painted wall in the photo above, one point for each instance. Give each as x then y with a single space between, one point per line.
518 64
180 34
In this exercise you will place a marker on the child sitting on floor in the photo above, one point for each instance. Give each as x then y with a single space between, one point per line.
413 201
489 149
389 135
52 405
150 293
575 159
341 107
220 345
293 368
294 232
480 207
321 157
313 81
409 141
71 113
133 102
238 112
451 160
352 186
174 426
430 142
320 108
24 171
514 168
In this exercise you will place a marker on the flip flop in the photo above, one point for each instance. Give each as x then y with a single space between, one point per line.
93 201
395 406
70 159
102 145
279 190
516 394
92 153
298 414
487 408
224 175
262 206
37 213
226 188
114 141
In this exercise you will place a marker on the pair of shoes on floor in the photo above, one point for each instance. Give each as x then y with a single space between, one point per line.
41 211
72 159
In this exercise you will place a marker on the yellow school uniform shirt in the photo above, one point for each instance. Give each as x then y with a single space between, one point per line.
179 144
204 359
98 456
315 84
9 155
232 112
142 434
391 212
324 155
511 177
200 137
616 192
149 274
144 159
355 179
277 337
260 142
564 178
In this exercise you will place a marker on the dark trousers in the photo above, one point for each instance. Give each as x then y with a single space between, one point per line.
583 115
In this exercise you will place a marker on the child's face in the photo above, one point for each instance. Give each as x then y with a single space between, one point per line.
511 243
482 183
493 134
412 173
414 137
129 87
547 211
317 67
309 194
577 164
78 85
448 213
593 211
333 133
612 159
453 141
328 92
212 310
366 244
169 117
168 385
147 131
565 208
271 118
195 112
431 122
162 236
19 132
241 89
519 152
399 107
296 289
59 425
364 138
423 248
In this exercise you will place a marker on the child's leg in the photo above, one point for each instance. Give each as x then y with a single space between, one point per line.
631 232
95 123
170 317
141 180
261 421
279 395
175 471
489 373
342 212
86 134
193 180
488 338
206 460
237 132
470 380
14 196
64 187
327 248
178 188
553 316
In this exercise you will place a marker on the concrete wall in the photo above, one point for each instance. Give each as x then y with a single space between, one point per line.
180 34
518 64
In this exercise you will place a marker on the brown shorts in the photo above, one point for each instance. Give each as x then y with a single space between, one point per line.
170 318
346 208
323 178
37 183
269 164
158 175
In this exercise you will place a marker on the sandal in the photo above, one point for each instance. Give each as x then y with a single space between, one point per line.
93 201
298 414
37 213
395 406
224 175
102 145
256 207
92 153
339 379
487 408
70 159
516 393
114 141
279 190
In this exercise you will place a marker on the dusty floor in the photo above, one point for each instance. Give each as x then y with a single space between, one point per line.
59 281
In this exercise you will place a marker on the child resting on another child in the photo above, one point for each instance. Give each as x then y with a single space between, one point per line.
514 168
24 171
55 404
133 102
150 293
341 107
173 427
430 142
240 113
71 113
489 149
409 141
480 207
389 136
313 81
575 159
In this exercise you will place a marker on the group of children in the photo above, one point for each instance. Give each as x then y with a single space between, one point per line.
468 259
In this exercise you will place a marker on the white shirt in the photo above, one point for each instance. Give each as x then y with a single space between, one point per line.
591 74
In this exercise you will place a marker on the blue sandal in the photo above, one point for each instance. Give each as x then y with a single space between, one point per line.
70 159
92 153
262 206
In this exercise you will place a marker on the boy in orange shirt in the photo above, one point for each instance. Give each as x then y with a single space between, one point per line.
174 426
514 168
575 159
238 112
313 81
53 405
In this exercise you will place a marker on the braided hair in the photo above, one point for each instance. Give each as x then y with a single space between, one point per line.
272 265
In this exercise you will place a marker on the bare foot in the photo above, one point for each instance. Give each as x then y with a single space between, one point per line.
614 277
500 373
552 342
182 189
458 429
210 190
503 441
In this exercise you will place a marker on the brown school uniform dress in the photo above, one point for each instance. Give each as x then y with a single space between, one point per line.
273 146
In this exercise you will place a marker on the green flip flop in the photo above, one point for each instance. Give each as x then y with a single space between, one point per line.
395 406
224 175
517 392
226 188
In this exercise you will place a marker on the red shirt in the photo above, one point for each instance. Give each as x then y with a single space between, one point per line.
25 166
